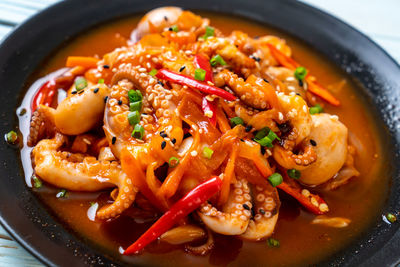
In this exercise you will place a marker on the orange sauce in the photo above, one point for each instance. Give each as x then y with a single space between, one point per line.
301 243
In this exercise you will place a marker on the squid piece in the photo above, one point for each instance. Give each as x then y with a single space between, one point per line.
78 172
330 136
76 114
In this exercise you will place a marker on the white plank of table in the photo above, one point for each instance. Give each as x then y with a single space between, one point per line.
376 18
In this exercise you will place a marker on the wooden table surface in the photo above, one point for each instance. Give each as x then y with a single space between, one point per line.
379 19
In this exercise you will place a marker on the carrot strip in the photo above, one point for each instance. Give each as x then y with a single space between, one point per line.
86 62
229 174
171 183
313 86
222 121
153 183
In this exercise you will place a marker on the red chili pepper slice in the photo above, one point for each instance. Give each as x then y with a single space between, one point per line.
202 62
45 94
178 211
294 189
168 75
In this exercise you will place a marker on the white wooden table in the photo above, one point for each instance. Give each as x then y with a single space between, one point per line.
379 19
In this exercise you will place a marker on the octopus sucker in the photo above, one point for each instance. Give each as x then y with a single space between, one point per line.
231 220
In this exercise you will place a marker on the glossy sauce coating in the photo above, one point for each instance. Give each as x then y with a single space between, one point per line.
300 241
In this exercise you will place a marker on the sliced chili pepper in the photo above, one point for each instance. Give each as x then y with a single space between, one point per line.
44 95
178 211
164 74
292 188
209 107
202 62
313 87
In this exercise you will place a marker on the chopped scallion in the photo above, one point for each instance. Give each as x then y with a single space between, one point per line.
101 81
134 96
134 117
36 181
273 243
265 137
207 152
236 121
275 179
210 31
174 28
293 173
217 59
135 106
61 193
138 131
391 217
316 109
80 83
265 141
173 162
153 72
300 73
200 74
11 137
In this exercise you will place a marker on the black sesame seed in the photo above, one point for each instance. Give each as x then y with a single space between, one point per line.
74 92
163 144
313 143
81 91
252 213
182 68
245 206
241 139
173 141
96 90
301 83
165 18
162 132
170 29
161 83
113 140
262 211
163 135
256 37
106 66
120 102
248 128
298 94
262 150
265 80
255 58
284 127
105 99
22 112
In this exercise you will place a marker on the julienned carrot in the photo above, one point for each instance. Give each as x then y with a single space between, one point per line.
228 175
313 86
86 62
222 121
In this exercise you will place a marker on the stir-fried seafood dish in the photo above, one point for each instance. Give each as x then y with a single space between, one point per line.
213 131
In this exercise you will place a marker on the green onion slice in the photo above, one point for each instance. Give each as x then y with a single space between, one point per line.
300 73
265 141
61 193
273 243
135 106
80 83
36 181
134 96
316 109
275 179
236 121
101 81
293 173
153 72
200 74
217 59
11 137
210 31
134 117
207 152
173 162
138 131
391 217
175 28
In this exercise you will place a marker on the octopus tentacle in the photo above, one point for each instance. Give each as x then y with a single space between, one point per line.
234 218
77 172
42 124
254 91
266 207
289 160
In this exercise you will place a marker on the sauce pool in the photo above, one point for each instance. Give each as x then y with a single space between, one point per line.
301 243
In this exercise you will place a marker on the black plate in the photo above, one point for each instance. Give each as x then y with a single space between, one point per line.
26 219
